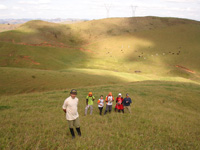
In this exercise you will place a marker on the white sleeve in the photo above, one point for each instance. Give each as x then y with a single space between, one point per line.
65 105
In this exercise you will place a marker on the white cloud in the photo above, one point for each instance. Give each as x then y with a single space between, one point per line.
178 9
8 14
35 2
44 7
17 8
95 9
182 1
2 7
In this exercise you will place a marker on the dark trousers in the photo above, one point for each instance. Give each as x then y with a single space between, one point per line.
100 110
108 108
115 109
121 110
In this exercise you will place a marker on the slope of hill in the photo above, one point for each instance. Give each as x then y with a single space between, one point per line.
22 80
138 42
152 47
165 115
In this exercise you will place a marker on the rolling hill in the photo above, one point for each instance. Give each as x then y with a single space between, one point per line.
116 49
156 60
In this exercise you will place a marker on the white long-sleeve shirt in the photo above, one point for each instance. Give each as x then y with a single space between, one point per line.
71 106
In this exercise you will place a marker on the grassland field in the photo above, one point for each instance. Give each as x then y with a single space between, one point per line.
165 115
156 60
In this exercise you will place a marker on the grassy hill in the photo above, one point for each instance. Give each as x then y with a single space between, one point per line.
147 48
156 60
138 42
165 115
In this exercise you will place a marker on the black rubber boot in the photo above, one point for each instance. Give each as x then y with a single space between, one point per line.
123 111
72 132
105 112
78 131
101 109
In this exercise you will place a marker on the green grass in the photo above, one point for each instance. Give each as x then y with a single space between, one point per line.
113 44
46 60
21 80
89 54
49 58
165 115
34 80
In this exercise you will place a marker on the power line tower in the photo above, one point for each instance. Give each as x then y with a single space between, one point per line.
107 7
133 8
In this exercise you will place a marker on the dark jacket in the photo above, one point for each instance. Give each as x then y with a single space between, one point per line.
127 101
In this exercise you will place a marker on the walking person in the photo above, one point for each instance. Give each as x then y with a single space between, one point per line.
119 103
89 103
100 104
127 102
109 100
70 107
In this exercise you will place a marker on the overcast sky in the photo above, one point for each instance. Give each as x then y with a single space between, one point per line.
94 9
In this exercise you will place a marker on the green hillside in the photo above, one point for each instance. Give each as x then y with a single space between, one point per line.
165 115
135 43
156 60
22 80
146 48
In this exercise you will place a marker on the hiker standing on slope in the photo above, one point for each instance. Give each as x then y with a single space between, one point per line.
100 104
70 107
109 100
119 103
127 102
89 103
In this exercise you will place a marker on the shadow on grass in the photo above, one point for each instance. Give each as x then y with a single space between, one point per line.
5 107
52 46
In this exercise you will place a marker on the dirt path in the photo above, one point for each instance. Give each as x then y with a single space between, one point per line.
46 44
185 69
27 58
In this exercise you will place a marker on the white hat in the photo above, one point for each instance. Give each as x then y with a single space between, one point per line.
119 94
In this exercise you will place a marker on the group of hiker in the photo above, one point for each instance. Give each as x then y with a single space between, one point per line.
70 107
121 103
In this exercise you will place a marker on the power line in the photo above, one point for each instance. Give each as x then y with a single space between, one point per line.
133 8
107 7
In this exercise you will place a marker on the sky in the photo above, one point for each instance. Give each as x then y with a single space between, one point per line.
95 9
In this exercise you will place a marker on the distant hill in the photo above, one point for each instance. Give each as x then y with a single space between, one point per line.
56 20
7 27
14 21
11 24
150 47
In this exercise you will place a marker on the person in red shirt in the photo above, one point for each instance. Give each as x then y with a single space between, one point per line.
119 103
